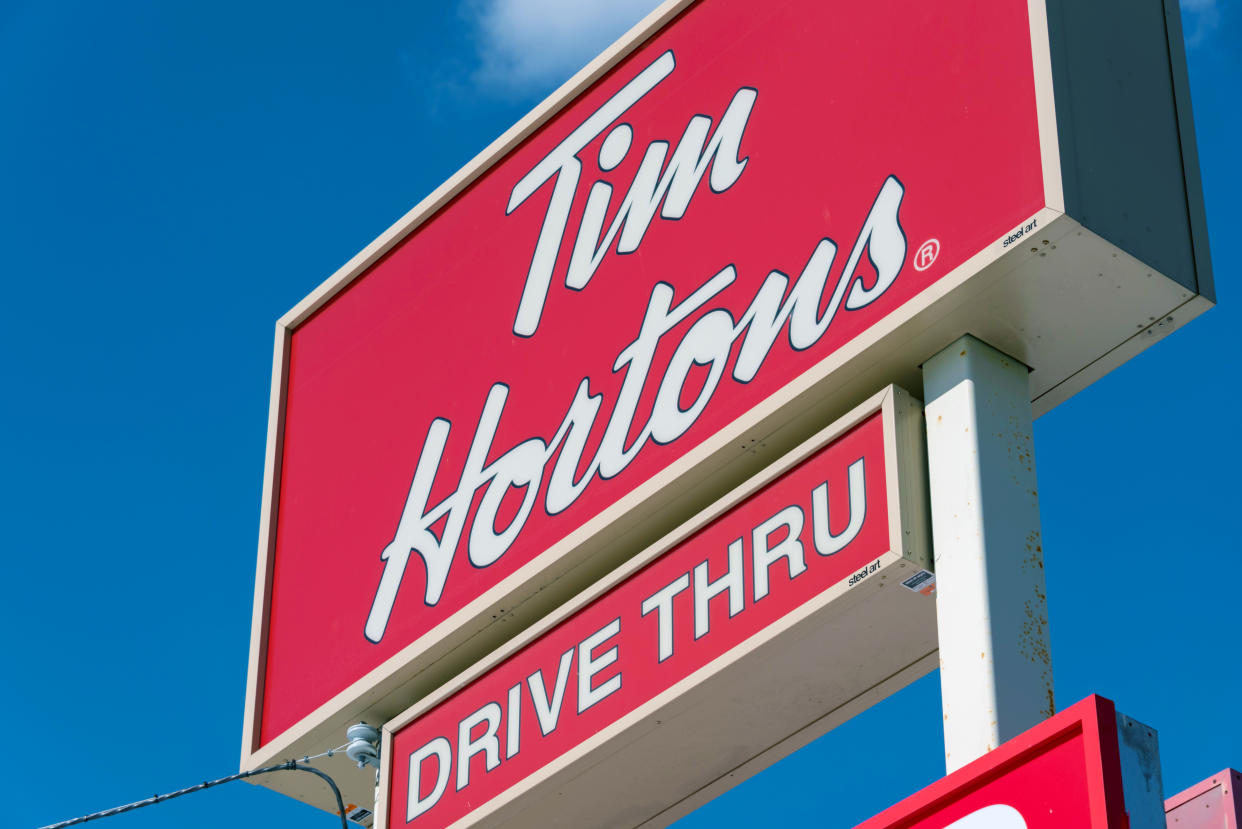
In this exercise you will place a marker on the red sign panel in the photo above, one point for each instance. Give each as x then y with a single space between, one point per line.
1063 774
824 523
738 200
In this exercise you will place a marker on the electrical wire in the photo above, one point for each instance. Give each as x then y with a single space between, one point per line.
291 765
327 753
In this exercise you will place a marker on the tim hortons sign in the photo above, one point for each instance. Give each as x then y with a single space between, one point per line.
719 236
1086 768
789 605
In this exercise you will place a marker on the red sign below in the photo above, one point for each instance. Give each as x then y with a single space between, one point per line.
1066 773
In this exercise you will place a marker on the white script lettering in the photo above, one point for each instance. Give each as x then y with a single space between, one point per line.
656 186
708 341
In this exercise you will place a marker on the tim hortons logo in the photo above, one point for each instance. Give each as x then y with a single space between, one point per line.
665 184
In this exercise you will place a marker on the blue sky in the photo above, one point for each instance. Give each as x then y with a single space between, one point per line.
175 176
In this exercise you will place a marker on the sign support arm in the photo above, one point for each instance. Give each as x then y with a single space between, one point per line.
995 663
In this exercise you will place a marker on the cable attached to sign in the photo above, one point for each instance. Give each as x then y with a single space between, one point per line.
291 765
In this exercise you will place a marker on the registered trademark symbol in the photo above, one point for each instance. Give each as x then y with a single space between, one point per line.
926 254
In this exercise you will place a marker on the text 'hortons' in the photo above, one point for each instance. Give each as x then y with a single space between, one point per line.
710 339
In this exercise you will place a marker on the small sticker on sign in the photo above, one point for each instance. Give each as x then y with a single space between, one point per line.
359 815
923 582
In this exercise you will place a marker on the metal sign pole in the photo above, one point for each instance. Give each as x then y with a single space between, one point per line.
995 663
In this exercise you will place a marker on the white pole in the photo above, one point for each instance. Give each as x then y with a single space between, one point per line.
995 665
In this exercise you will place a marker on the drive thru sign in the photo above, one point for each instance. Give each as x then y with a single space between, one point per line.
798 599
726 231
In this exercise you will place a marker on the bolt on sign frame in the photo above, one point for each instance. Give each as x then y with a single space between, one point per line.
1088 767
791 604
721 234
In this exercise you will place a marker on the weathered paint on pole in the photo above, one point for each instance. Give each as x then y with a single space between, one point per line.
995 664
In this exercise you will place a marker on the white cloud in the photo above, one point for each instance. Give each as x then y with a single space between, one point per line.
527 46
1200 19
